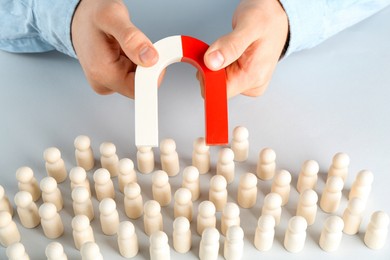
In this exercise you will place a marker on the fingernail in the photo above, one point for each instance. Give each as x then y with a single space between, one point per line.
216 59
147 55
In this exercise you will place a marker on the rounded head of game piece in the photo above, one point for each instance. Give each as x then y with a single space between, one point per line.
283 178
267 155
152 208
226 155
206 208
356 205
2 192
167 146
183 196
190 173
80 194
158 239
218 183
365 177
126 229
200 145
334 224
310 167
273 200
23 199
380 219
144 149
47 210
101 176
15 251
231 210
160 178
210 235
52 154
248 180
340 160
125 165
335 183
297 224
82 142
266 222
107 149
5 218
89 250
240 133
80 222
77 174
309 197
107 206
181 224
235 233
24 174
132 190
54 250
48 184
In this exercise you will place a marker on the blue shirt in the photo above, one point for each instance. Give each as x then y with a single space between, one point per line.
44 25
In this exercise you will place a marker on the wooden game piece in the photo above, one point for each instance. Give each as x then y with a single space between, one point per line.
83 152
82 203
265 233
27 209
240 143
206 216
50 220
339 166
225 164
307 178
109 159
51 193
361 187
4 202
104 187
201 155
169 157
90 251
307 206
281 185
27 182
126 173
127 240
209 244
145 159
17 251
55 165
377 229
266 164
153 220
272 206
191 181
331 196
352 216
230 216
161 188
295 237
183 204
247 190
234 243
181 235
55 251
218 192
159 248
82 231
133 200
109 217
78 177
9 232
331 233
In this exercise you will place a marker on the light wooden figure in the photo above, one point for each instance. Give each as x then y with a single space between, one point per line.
90 251
159 247
50 220
181 235
307 178
55 251
247 190
352 216
153 220
265 233
361 187
83 152
82 231
266 165
9 232
272 206
109 159
295 237
82 203
145 159
206 216
225 164
191 181
27 182
240 143
169 157
201 155
377 229
27 209
234 243
331 196
4 202
55 165
331 233
17 251
78 177
126 173
109 217
183 204
51 193
230 216
281 185
218 192
104 187
133 201
307 206
127 240
209 244
339 166
161 189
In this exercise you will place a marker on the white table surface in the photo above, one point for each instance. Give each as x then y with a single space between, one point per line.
332 98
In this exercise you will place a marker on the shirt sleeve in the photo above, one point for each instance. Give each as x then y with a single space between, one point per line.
313 21
37 25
